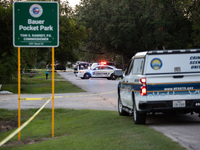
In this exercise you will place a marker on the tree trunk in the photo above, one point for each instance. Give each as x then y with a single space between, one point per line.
122 62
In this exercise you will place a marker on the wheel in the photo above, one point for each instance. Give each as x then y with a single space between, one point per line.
138 117
120 108
113 77
86 76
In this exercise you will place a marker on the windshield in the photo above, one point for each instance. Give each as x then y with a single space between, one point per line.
83 66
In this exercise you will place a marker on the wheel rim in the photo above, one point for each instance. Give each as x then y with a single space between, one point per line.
87 76
113 77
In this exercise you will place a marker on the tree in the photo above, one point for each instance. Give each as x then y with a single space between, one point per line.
8 54
126 27
71 35
192 9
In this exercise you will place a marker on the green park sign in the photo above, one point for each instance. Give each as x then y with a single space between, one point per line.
35 24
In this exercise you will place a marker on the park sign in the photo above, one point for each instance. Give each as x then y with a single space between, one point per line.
35 24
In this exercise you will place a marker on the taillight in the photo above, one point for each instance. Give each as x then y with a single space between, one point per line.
143 89
143 80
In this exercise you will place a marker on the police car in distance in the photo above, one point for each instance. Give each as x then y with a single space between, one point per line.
80 66
100 71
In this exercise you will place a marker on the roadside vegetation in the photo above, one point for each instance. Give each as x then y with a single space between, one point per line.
105 30
85 130
71 34
35 82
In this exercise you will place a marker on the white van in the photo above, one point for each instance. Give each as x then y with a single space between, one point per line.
165 81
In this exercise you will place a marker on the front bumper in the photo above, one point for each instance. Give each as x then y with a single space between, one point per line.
80 75
167 106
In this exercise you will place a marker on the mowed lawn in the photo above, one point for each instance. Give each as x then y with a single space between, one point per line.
75 129
84 130
35 83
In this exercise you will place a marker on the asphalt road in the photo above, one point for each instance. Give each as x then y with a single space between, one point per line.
101 95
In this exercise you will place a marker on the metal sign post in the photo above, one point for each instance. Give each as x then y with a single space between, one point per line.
52 91
19 91
35 24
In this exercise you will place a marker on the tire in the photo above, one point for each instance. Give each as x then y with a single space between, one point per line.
113 77
120 108
86 76
138 117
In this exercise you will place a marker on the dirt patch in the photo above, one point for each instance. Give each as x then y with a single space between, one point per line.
7 125
29 141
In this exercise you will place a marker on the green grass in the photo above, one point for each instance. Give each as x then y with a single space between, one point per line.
85 130
38 84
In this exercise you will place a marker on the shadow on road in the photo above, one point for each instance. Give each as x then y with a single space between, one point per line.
176 119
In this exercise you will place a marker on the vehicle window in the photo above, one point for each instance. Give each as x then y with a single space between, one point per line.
138 66
96 68
83 66
129 67
108 68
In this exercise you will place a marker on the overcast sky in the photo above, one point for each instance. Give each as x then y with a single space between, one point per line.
72 3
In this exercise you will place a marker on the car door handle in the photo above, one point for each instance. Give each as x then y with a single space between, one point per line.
178 76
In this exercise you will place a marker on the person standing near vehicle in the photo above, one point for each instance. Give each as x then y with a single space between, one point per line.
47 73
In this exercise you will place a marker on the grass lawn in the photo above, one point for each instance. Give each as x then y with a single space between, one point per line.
74 129
36 83
84 130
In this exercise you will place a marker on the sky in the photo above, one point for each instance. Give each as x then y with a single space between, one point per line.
72 3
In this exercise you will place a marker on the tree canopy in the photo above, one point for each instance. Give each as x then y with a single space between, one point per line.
71 35
126 27
106 27
8 54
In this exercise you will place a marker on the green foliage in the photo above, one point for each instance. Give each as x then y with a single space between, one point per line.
8 54
193 14
126 27
35 83
71 34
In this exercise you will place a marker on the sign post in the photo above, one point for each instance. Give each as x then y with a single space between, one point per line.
35 24
19 91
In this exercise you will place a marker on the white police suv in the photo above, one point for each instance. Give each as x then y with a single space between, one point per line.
165 81
100 71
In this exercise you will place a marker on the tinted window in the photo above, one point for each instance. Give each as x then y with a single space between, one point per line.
108 68
129 67
97 68
138 66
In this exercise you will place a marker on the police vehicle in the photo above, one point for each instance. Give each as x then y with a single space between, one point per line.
166 81
100 71
80 66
